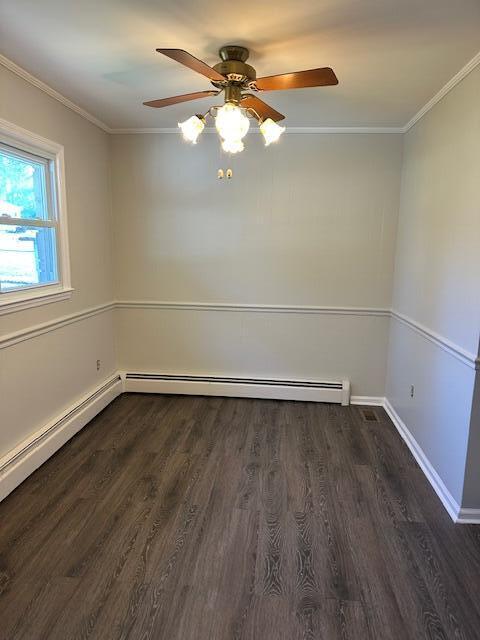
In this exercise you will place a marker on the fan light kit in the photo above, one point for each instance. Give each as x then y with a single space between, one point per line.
237 80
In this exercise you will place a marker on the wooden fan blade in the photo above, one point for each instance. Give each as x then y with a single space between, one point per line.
165 102
185 58
298 80
262 108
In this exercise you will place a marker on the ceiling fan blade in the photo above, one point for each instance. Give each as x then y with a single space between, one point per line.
262 108
185 58
298 80
165 102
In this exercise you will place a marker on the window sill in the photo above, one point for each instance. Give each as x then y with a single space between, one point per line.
36 299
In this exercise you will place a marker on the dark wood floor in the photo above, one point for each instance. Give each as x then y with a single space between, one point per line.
196 518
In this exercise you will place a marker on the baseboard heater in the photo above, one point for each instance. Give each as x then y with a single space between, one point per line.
28 455
306 390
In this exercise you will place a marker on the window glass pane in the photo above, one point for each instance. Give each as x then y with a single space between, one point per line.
27 256
22 187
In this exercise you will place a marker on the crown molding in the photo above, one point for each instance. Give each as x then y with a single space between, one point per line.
289 130
464 71
22 73
470 66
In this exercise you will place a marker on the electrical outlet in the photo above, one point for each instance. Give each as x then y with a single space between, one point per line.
99 364
412 391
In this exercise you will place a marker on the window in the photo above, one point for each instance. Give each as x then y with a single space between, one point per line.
33 248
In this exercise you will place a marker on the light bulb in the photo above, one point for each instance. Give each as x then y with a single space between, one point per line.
231 123
232 146
192 128
271 131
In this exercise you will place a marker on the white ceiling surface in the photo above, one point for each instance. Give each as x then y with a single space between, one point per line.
391 56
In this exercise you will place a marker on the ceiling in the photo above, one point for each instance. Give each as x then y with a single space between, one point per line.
391 56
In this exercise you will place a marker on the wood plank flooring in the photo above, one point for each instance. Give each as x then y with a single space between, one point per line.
191 518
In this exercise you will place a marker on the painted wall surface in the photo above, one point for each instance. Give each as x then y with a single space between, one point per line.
471 488
437 280
59 367
438 416
437 271
310 221
256 344
55 369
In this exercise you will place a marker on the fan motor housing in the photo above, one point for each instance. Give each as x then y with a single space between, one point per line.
236 71
234 67
234 52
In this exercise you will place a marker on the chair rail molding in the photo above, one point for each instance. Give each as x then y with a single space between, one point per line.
250 308
11 339
467 357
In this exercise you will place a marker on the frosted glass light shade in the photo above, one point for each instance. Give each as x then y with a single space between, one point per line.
192 128
271 131
232 146
231 123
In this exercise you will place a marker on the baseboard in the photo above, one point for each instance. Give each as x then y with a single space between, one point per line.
448 501
372 401
18 464
273 389
469 516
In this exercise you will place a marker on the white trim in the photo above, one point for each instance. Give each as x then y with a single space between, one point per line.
255 308
11 339
31 141
448 501
469 516
369 401
15 68
61 203
468 358
36 299
289 130
12 66
19 463
24 334
19 71
53 153
238 387
470 66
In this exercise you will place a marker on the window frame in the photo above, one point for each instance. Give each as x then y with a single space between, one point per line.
25 144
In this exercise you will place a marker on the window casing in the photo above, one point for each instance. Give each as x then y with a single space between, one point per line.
34 263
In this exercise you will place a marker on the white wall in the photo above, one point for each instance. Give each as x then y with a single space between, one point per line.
437 282
310 221
42 375
471 488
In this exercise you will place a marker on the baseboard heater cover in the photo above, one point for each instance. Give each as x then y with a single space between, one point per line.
305 390
19 463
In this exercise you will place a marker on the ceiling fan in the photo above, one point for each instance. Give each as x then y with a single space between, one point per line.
239 83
